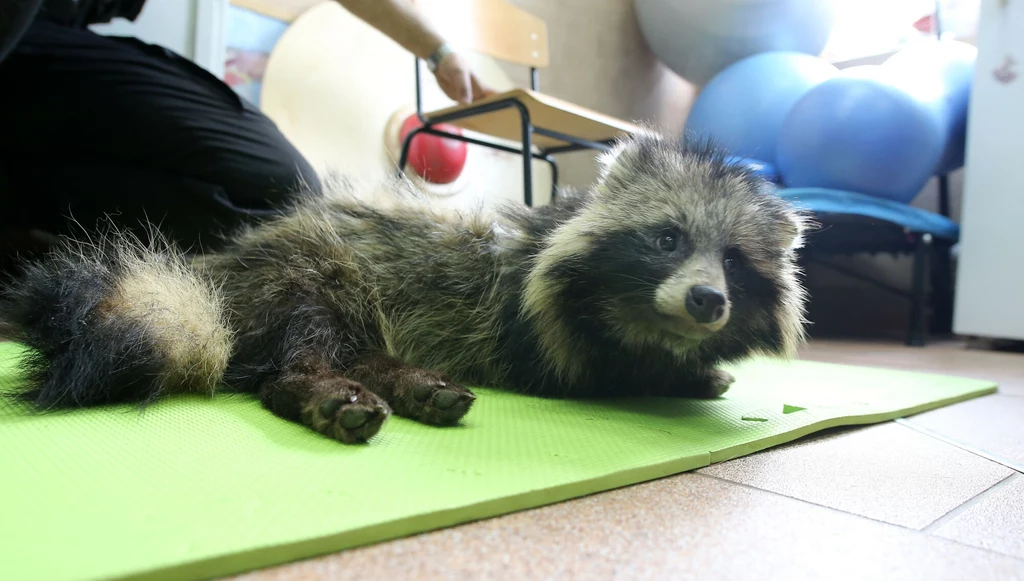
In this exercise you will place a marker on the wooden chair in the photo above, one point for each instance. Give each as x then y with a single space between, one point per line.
542 125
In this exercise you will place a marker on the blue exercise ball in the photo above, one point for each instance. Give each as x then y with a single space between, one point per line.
938 74
860 134
757 167
743 107
699 38
861 72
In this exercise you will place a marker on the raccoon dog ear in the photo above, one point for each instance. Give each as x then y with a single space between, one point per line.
641 143
607 160
793 226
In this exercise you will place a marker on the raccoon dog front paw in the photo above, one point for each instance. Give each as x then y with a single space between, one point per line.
348 412
714 383
431 398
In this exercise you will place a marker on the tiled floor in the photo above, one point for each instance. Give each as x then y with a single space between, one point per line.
936 496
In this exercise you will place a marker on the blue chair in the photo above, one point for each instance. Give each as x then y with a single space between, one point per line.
854 223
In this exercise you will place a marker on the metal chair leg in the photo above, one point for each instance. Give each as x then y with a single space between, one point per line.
918 333
941 296
944 195
527 157
554 176
406 144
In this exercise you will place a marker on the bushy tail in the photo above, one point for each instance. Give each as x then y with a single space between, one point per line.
115 321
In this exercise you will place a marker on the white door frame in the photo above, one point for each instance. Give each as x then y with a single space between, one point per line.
209 48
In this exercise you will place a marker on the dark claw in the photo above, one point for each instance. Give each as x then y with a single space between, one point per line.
353 418
422 392
330 407
445 399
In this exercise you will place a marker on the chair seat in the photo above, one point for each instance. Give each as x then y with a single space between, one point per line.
546 112
837 202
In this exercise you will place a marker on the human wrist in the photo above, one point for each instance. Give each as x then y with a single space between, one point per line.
442 52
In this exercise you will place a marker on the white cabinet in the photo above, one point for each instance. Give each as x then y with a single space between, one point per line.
990 276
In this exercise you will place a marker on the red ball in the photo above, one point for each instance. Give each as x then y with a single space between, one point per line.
438 160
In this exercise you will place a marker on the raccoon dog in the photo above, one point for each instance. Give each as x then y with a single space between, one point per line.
343 312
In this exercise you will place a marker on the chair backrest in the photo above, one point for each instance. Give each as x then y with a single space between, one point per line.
491 27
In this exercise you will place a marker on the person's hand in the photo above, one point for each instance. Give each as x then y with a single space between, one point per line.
458 81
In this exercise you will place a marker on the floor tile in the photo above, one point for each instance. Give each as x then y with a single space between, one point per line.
886 472
993 424
685 527
994 521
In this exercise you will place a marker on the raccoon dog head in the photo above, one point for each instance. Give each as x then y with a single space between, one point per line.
673 249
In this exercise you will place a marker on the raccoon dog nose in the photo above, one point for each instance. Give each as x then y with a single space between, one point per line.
705 304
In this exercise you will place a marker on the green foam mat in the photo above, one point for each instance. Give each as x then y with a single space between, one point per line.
195 488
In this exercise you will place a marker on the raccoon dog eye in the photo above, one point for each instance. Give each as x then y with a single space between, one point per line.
732 259
668 241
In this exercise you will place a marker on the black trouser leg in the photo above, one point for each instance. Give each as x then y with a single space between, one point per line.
97 126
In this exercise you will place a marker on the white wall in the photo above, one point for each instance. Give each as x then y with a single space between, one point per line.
194 29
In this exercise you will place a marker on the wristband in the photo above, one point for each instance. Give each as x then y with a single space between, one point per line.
435 58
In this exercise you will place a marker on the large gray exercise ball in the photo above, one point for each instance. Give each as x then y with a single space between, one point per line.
699 38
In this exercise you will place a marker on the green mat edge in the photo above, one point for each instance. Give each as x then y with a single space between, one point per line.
860 420
278 555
